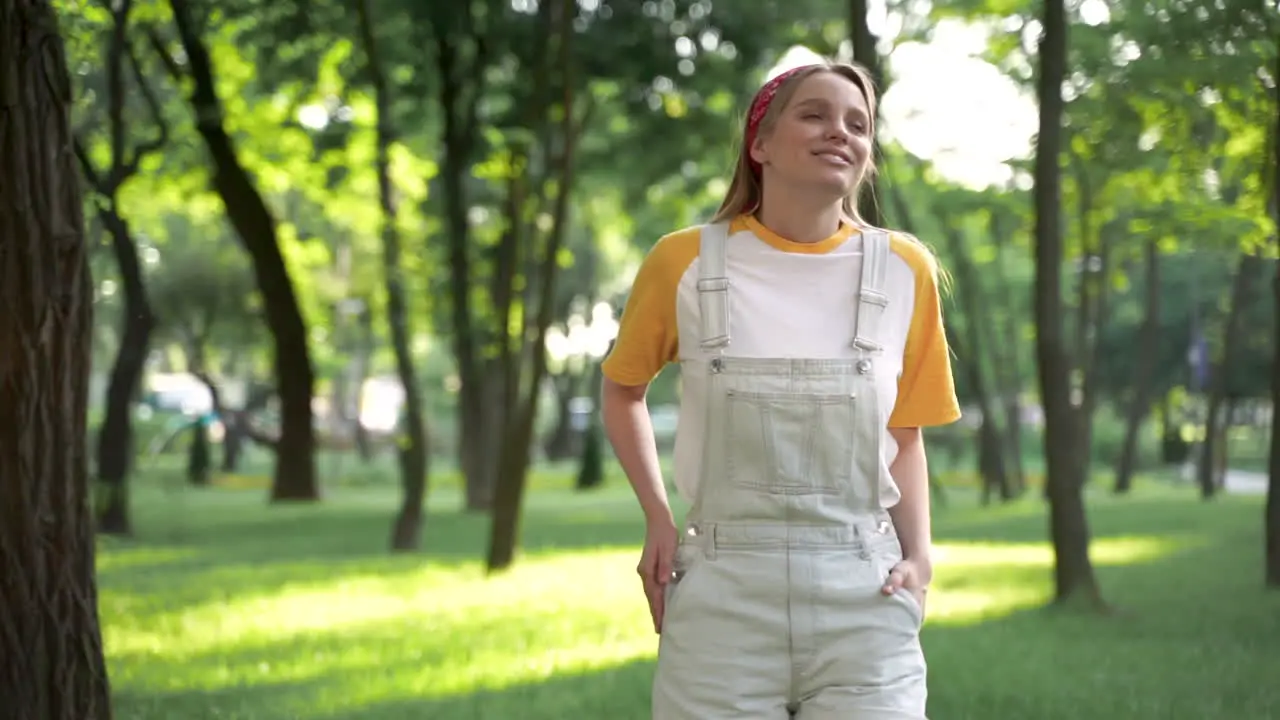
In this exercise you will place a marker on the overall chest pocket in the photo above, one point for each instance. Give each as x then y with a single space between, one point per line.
790 443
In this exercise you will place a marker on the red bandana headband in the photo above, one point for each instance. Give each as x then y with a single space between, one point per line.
760 106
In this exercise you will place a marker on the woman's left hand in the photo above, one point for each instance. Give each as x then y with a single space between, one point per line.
911 574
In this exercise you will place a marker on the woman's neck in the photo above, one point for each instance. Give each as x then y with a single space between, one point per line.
797 217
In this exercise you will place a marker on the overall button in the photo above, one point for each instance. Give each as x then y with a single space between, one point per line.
864 366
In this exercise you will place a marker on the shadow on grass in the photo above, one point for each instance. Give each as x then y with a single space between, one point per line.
1166 514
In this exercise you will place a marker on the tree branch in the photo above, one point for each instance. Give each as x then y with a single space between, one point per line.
171 64
161 138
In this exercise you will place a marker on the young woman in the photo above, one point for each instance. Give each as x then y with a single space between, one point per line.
812 352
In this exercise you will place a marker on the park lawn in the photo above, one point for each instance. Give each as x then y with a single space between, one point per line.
224 607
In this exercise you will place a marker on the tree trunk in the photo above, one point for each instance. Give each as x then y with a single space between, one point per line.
407 531
199 463
363 354
1144 372
115 448
116 451
1008 356
1093 321
50 642
295 472
1272 518
1068 526
1241 289
518 438
461 81
991 461
865 54
591 466
480 435
562 442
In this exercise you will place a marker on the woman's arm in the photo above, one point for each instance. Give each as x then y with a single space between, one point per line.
910 470
630 430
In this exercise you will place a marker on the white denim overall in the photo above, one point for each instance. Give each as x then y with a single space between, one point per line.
775 609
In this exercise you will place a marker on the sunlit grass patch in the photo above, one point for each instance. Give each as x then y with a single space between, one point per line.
419 633
978 581
114 555
234 481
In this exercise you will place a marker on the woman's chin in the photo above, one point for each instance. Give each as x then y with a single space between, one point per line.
836 184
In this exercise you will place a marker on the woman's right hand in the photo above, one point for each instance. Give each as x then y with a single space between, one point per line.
657 562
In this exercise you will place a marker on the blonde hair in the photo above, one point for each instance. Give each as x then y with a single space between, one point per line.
746 189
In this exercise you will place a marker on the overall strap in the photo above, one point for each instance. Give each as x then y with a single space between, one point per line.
713 286
872 299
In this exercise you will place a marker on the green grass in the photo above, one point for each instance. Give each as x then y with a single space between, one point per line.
226 608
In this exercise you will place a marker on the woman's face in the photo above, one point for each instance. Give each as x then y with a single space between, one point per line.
822 137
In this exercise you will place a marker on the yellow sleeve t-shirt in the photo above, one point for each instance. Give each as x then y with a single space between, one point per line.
788 299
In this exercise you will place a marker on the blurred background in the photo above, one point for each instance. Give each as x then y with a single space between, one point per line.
356 263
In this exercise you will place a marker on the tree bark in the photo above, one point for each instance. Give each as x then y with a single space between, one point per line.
407 531
51 658
1068 526
295 472
1144 371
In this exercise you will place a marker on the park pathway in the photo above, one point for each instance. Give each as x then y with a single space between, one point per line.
1245 482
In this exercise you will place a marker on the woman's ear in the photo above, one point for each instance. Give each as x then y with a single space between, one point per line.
759 150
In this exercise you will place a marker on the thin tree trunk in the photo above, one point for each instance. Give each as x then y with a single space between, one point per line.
407 530
51 657
1271 519
1008 355
1088 352
295 472
991 462
1144 371
865 54
199 459
591 464
1068 525
364 353
115 448
514 466
1241 289
461 75
1271 570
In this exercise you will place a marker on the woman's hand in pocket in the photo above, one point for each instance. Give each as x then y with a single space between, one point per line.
912 575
